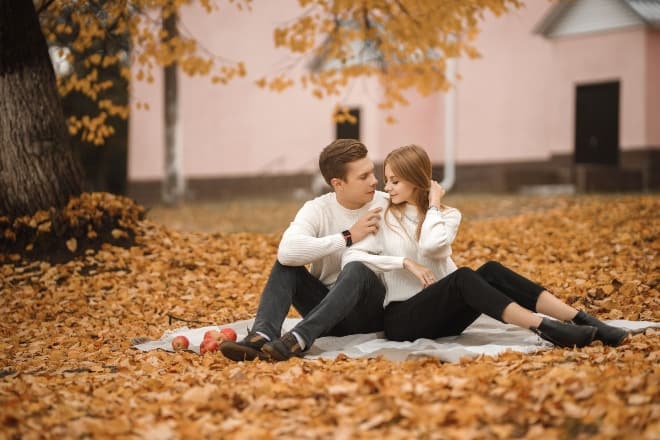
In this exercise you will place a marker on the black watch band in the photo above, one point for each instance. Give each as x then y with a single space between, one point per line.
347 237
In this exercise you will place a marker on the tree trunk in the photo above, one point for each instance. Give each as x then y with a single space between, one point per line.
173 189
38 168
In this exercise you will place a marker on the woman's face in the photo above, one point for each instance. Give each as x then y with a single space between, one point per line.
400 191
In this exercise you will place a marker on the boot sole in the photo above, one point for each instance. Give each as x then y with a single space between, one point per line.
239 353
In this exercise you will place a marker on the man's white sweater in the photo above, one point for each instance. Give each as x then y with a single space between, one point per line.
315 235
384 252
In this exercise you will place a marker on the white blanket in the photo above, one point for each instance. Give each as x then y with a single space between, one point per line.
485 336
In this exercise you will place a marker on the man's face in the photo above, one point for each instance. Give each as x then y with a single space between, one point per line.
360 184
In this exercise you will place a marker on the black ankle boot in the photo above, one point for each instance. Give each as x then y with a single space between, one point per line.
609 335
565 335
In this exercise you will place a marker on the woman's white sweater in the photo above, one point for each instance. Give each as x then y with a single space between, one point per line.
384 252
314 236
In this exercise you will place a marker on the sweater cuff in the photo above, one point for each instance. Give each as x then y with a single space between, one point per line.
400 262
339 242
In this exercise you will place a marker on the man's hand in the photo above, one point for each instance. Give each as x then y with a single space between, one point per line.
367 224
423 273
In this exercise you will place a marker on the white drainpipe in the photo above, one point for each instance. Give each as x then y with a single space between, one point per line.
450 126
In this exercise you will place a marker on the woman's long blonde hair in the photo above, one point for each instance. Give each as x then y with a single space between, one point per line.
412 164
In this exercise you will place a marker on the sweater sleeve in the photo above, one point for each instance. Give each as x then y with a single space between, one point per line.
438 232
369 251
300 242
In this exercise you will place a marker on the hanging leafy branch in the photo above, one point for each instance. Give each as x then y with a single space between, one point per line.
403 43
102 34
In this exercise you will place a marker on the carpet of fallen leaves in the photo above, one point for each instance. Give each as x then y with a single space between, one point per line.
67 370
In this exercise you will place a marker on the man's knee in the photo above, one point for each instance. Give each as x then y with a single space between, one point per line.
280 270
356 270
279 266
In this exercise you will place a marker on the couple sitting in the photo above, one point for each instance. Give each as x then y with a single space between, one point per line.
421 293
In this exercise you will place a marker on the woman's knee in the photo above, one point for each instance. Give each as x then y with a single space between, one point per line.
464 272
465 278
489 267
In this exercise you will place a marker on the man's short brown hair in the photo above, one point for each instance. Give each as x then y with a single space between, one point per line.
334 157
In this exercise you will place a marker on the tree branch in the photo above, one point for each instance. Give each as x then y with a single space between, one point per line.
45 5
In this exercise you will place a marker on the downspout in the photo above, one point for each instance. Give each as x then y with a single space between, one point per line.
450 126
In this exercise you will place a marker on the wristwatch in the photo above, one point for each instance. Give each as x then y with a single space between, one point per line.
433 208
347 237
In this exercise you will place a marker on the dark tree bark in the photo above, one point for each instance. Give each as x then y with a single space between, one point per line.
38 168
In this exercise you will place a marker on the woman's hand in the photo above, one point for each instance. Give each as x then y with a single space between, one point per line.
436 193
423 273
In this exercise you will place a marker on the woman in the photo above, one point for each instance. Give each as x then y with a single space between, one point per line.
428 296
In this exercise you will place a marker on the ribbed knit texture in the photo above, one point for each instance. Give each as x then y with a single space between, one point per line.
314 236
384 252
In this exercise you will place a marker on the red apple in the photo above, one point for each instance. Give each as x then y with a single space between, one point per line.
208 346
212 334
228 334
180 343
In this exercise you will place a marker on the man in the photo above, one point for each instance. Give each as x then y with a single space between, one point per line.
331 302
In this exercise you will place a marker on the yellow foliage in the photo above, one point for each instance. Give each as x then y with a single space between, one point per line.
152 46
403 43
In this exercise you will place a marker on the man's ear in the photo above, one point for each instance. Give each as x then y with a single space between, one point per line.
336 183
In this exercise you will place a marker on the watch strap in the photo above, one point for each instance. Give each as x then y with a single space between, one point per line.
348 237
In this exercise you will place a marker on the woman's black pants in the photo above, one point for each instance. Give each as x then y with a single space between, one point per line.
449 306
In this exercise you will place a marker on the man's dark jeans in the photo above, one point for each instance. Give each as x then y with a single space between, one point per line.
354 304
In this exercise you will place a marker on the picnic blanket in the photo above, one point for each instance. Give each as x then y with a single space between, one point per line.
486 336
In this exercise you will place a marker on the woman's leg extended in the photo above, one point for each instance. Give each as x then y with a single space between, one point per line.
536 298
550 305
525 292
520 316
445 308
448 306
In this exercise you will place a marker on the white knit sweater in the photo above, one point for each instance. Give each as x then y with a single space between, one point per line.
385 251
314 236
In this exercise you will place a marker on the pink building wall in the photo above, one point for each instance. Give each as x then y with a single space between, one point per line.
503 110
605 57
516 103
237 128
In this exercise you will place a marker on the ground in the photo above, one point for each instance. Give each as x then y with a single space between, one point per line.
67 369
